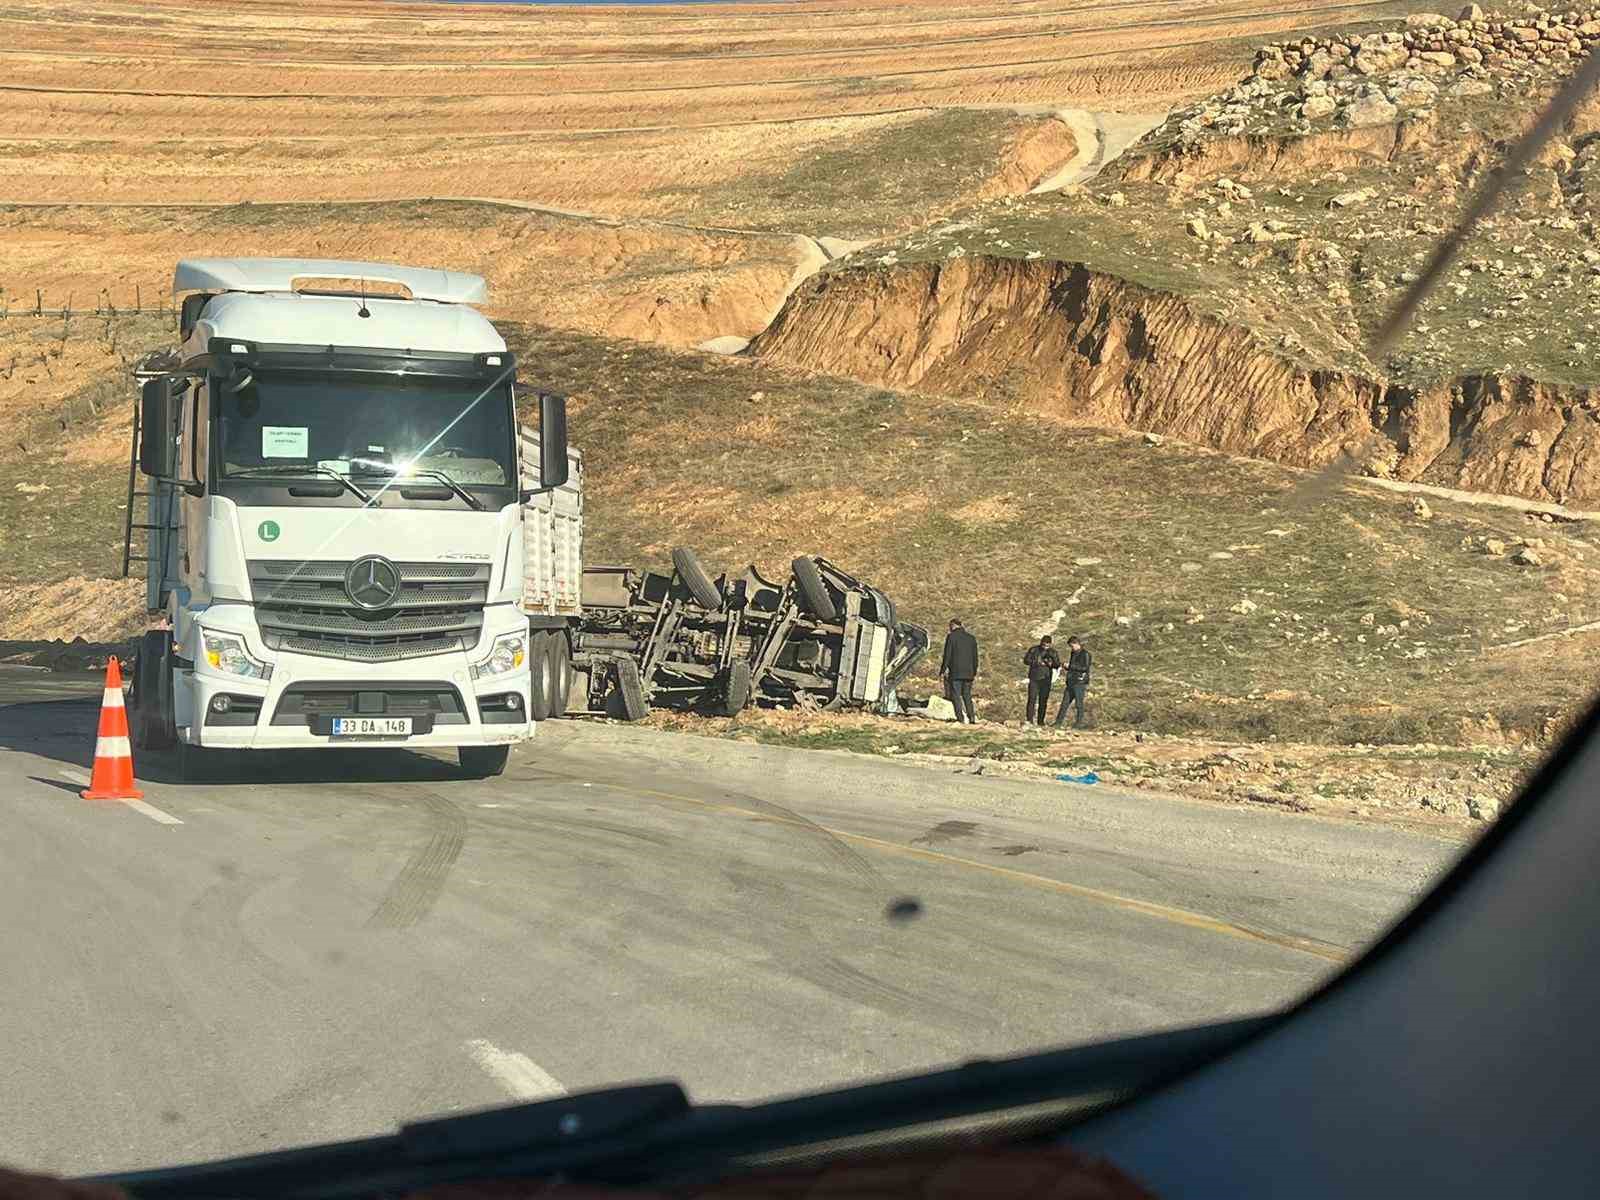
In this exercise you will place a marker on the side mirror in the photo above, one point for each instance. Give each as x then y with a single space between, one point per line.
552 440
158 448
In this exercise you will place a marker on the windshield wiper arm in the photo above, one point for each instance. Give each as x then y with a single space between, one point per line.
422 473
296 469
634 1135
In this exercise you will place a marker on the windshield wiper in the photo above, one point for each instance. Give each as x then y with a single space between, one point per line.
297 469
636 1135
368 467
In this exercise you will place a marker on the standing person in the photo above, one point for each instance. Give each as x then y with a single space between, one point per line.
1042 662
959 669
1079 663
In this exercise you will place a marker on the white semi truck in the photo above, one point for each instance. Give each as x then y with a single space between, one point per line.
349 542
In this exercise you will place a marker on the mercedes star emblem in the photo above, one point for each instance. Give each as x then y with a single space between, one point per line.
372 582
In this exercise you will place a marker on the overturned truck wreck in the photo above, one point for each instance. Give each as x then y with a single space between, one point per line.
686 640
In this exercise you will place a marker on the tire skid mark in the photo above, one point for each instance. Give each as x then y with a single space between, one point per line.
416 889
793 939
213 925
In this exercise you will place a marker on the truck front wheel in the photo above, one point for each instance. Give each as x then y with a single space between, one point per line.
150 715
483 762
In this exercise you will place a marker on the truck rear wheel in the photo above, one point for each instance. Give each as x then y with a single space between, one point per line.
818 601
560 674
695 577
736 688
630 691
483 762
538 675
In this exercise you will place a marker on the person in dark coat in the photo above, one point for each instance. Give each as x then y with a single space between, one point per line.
1076 683
958 669
1042 662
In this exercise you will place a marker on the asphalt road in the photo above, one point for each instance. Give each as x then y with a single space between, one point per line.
328 943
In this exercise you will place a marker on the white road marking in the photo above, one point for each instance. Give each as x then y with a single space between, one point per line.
139 806
517 1073
151 811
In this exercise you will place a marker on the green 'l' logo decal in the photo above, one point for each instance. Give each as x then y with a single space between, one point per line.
268 531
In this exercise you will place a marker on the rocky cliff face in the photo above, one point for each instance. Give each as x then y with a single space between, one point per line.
1082 347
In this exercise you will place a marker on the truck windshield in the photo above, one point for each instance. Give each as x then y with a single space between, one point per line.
270 423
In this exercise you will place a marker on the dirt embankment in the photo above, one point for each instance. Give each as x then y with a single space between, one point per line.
1091 349
1278 158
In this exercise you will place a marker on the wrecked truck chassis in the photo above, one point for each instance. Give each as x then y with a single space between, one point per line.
682 640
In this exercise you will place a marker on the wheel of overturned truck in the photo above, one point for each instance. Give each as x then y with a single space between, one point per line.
736 688
813 591
695 577
630 691
539 675
483 762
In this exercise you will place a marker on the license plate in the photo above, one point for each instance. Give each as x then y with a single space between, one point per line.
372 727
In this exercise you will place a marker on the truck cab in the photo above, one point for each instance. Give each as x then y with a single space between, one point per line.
336 516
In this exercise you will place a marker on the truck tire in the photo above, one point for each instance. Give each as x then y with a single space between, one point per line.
813 591
538 675
560 674
736 688
687 564
483 762
152 723
630 691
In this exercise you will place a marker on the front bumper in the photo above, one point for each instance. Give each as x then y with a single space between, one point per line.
295 708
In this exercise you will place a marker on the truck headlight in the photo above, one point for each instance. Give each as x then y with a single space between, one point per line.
510 652
227 654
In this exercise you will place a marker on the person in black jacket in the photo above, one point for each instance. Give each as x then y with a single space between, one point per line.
1042 662
959 669
1076 683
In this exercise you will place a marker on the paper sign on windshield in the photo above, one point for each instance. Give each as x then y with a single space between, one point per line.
284 441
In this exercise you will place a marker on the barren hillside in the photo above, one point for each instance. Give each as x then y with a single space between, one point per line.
1220 284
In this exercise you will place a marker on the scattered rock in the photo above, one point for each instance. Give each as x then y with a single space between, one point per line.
1087 562
1469 87
1483 808
1153 439
1470 13
1376 58
1220 554
938 709
1420 509
1190 568
1369 110
1318 106
1493 546
1196 227
1117 200
1347 199
1245 607
1416 93
1369 618
1526 557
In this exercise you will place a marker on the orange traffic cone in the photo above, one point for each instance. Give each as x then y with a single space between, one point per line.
113 752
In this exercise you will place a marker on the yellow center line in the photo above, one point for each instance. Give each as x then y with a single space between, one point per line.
1161 912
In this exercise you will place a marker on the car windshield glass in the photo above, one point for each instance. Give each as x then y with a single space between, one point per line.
271 423
765 544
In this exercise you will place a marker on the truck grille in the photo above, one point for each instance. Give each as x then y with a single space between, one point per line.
302 606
